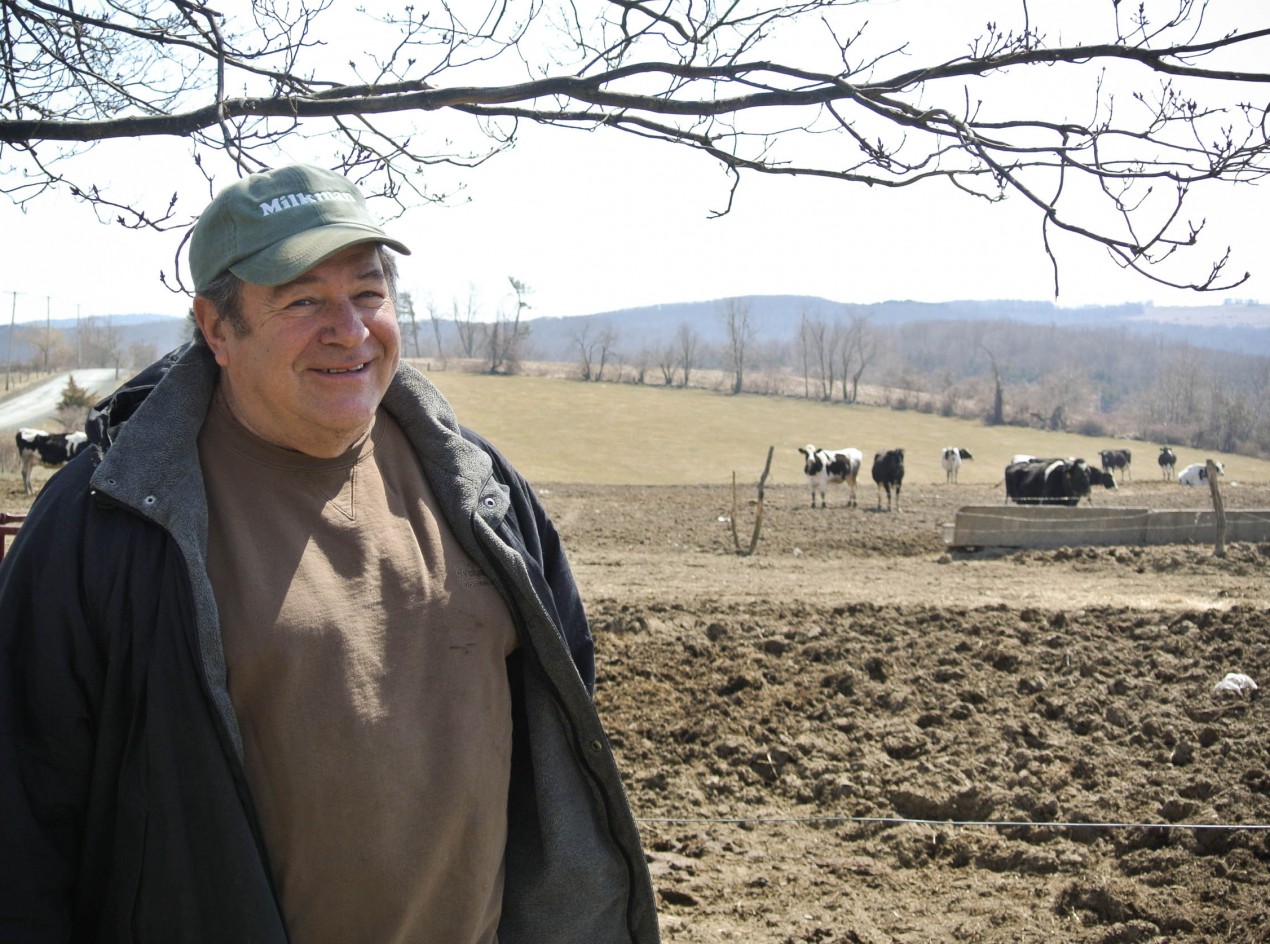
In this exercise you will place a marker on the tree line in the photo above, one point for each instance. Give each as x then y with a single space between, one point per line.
96 341
1096 381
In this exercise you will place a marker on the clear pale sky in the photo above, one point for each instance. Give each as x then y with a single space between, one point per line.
600 221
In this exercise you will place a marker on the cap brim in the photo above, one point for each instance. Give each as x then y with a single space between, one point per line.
292 257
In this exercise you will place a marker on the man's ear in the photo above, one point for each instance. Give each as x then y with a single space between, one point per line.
213 328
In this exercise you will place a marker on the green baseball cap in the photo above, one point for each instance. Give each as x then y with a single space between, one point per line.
272 227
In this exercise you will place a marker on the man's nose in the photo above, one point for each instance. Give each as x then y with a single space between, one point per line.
344 323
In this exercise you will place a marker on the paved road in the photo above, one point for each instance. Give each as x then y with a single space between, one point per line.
35 404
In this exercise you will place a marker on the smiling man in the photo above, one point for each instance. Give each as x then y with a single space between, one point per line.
292 656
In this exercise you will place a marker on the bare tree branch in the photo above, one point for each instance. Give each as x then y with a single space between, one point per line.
1110 147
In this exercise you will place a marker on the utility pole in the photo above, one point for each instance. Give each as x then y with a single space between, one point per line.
48 330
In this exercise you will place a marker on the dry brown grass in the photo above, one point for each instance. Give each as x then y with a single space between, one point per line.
563 430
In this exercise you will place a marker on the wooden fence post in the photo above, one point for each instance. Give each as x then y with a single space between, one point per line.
758 508
1219 510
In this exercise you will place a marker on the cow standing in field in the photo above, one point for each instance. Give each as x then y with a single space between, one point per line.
1050 481
50 450
1197 473
1117 459
950 459
1168 462
825 467
888 473
1099 477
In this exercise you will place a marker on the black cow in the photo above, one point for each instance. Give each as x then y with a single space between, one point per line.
888 473
1113 459
48 449
1168 462
1049 481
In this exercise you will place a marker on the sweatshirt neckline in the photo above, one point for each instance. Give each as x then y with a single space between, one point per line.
226 430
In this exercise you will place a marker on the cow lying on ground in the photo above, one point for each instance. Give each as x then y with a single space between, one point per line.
950 459
1053 481
888 473
1168 462
1197 473
825 467
1117 459
50 450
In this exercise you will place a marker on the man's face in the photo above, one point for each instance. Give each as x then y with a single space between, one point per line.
318 356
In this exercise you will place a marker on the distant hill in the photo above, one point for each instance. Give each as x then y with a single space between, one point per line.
131 334
1241 328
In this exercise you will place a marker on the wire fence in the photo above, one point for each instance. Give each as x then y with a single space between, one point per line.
907 821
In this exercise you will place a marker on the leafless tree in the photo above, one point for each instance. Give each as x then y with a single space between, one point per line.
996 417
100 342
505 335
47 344
859 346
466 325
667 361
641 363
585 343
688 346
819 344
1176 388
1149 104
593 349
804 350
607 343
434 316
407 318
739 334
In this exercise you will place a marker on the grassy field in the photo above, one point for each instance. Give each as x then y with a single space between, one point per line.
598 433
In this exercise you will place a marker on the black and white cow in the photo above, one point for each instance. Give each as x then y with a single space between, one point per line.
1099 477
825 467
1168 462
1114 460
48 449
950 459
1049 481
1197 473
888 473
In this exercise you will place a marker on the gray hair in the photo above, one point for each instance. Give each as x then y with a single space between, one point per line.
225 294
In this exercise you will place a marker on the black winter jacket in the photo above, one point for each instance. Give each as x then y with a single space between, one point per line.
124 812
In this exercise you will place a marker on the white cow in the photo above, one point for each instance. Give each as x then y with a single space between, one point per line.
950 459
1197 473
824 467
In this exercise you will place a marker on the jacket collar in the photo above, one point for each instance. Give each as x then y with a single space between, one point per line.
147 436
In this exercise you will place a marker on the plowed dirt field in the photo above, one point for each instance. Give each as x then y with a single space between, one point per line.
855 736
